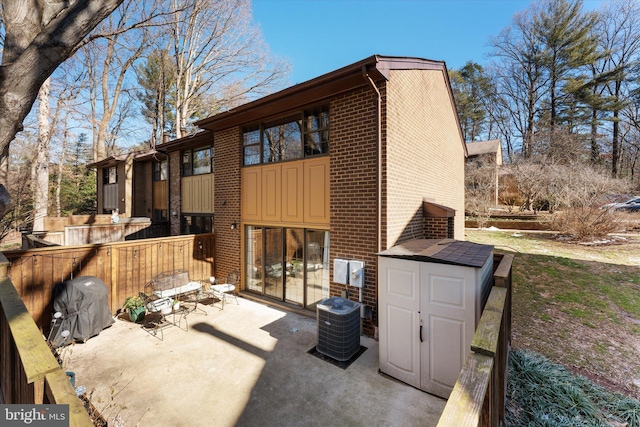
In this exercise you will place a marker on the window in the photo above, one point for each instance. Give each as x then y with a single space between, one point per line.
316 132
196 224
160 215
197 162
282 142
289 139
110 175
161 171
251 143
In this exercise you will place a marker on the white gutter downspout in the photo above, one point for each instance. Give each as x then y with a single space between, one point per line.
379 163
378 180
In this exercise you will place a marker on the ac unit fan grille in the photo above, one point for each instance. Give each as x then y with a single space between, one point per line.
338 334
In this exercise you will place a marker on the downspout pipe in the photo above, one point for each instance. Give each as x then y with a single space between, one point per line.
365 74
368 78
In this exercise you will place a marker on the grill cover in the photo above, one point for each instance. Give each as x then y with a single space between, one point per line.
84 305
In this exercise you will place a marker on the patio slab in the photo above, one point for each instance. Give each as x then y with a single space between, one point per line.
246 365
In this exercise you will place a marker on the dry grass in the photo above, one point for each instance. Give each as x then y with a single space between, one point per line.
576 304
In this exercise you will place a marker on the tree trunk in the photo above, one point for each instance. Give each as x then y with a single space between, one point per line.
615 144
32 52
41 161
595 152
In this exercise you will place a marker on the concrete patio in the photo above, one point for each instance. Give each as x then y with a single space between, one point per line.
246 365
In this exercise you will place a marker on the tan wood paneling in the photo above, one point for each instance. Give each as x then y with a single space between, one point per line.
186 198
251 194
160 195
287 193
197 194
316 191
271 192
292 179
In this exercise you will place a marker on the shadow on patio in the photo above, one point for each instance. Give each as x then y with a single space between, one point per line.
247 365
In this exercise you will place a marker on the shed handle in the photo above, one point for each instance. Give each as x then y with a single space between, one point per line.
420 326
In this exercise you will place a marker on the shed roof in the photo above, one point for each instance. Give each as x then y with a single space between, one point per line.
441 251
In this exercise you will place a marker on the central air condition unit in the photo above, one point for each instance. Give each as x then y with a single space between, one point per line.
338 328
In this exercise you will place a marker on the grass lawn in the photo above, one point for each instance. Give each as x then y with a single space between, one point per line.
577 305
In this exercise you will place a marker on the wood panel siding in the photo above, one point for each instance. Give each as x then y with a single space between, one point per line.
197 194
160 195
251 194
295 193
316 191
292 192
271 192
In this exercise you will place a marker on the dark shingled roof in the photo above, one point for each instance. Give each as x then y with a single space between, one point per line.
441 251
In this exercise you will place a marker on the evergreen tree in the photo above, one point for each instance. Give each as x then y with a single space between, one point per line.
471 88
157 80
569 46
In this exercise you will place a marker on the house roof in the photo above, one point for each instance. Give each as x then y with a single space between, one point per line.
479 148
441 251
315 90
135 156
190 141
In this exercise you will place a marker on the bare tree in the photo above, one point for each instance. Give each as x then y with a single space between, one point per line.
520 78
117 44
620 35
39 36
218 53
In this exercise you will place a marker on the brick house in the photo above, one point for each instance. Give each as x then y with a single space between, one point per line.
134 183
342 166
485 154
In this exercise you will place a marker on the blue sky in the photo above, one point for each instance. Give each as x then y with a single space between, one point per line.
319 36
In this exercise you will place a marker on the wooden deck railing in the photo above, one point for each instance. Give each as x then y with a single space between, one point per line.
478 397
124 266
29 372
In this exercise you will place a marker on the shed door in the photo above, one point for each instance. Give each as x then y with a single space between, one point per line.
399 301
448 312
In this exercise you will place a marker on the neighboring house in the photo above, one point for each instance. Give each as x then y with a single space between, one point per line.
486 154
134 184
342 166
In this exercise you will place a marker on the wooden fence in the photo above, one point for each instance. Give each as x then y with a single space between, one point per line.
85 229
29 372
124 266
479 395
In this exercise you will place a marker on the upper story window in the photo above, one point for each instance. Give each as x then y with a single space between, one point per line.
316 132
161 171
110 175
198 161
289 139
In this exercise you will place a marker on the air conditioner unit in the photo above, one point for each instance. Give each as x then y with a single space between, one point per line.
338 328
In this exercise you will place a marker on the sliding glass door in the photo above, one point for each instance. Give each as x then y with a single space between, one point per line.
288 264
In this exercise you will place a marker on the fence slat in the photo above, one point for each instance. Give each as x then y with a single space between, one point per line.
485 340
464 407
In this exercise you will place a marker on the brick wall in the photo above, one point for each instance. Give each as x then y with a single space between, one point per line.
227 183
425 154
353 189
438 228
175 204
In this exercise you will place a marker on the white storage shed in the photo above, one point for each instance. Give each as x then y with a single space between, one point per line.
430 294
